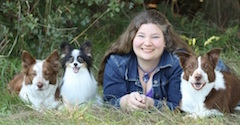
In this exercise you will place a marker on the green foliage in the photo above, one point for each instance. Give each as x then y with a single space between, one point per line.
203 36
8 68
40 26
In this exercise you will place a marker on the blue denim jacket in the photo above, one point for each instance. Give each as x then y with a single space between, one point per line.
121 78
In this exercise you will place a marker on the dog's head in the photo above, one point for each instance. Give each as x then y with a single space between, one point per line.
199 70
40 73
75 59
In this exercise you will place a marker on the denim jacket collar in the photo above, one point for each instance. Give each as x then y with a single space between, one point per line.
131 73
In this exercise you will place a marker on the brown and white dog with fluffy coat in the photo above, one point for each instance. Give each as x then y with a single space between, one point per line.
206 91
37 83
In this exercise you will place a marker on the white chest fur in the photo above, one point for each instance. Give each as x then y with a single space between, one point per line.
78 87
40 99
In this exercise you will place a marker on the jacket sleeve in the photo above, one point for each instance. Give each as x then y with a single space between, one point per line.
114 85
173 92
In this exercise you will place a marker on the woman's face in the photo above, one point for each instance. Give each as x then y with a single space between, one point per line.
148 43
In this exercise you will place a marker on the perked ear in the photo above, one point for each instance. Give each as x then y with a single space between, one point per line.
27 61
183 57
86 47
213 55
65 48
53 59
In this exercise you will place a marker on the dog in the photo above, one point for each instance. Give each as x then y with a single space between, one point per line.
37 83
78 83
206 91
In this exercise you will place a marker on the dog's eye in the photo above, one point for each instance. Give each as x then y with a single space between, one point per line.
205 66
190 66
71 59
47 73
33 73
80 59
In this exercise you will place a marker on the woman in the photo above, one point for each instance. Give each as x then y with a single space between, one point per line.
139 71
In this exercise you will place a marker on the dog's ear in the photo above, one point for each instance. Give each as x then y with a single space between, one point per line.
86 47
183 57
66 48
213 55
54 59
27 61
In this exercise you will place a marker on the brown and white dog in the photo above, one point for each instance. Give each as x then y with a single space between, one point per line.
206 91
37 83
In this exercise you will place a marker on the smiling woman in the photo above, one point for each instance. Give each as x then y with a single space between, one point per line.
148 45
139 70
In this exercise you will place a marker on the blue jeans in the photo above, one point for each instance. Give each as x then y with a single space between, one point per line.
221 66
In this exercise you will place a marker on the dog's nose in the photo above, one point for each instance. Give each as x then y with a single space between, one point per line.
75 64
198 77
40 85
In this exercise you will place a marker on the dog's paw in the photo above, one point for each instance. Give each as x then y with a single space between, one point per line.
194 116
57 105
60 107
237 108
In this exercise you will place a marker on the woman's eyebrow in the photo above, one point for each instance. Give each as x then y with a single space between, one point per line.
140 33
155 34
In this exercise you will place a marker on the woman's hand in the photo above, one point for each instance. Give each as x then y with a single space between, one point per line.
136 101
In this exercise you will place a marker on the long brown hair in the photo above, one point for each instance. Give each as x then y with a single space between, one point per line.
123 44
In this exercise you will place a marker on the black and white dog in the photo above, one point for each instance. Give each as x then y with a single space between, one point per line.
78 83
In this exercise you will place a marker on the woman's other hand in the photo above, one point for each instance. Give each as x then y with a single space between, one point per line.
136 101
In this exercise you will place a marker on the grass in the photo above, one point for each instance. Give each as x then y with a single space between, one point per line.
90 114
